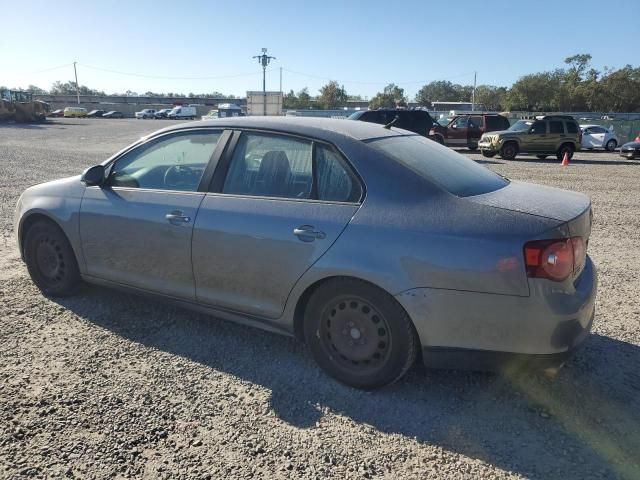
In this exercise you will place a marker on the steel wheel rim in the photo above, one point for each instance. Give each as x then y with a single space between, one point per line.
355 335
50 261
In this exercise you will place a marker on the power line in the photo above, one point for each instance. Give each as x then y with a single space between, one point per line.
374 83
48 69
162 77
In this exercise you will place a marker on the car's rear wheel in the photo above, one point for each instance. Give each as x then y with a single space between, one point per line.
611 145
473 148
509 151
359 334
50 260
564 148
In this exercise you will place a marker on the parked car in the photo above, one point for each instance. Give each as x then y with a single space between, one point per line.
56 113
631 150
146 113
466 130
113 114
185 113
443 256
418 121
597 136
162 113
71 112
544 136
96 113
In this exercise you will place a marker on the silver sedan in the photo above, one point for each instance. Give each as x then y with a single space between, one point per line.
370 243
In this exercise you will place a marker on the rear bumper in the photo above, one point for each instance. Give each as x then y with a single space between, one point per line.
458 328
485 360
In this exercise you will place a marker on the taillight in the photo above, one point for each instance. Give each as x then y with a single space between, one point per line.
554 259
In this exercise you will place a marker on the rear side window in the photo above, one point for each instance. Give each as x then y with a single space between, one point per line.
496 122
451 171
572 127
556 127
270 166
336 182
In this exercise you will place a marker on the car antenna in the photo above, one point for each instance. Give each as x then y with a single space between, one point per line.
392 122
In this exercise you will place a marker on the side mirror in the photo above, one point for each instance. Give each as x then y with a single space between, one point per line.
454 126
93 176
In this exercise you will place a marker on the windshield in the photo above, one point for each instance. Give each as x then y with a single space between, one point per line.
444 121
521 126
451 171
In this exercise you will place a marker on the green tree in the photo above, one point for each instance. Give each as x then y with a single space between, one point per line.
36 90
332 96
290 100
438 91
491 97
392 96
304 99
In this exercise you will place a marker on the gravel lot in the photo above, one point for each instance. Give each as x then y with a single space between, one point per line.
108 385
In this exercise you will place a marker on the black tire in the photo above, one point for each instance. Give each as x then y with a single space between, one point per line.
473 148
487 154
509 151
359 334
611 145
437 139
542 157
50 260
565 147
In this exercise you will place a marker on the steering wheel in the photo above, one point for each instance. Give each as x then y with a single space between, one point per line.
179 176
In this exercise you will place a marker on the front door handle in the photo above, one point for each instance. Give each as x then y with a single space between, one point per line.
177 217
308 233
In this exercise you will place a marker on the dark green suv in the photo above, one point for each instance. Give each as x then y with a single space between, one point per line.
544 136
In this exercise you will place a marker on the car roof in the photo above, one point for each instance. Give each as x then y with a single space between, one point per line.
321 128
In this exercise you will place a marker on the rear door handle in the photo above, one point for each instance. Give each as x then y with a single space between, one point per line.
308 233
177 217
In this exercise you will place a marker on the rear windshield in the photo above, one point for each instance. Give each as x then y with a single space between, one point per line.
455 173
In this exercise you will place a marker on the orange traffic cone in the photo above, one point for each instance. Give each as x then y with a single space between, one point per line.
565 159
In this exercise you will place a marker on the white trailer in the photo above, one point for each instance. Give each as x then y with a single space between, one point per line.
256 103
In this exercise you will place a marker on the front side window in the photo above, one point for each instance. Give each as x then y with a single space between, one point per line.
270 166
336 183
460 122
449 170
174 162
538 128
556 127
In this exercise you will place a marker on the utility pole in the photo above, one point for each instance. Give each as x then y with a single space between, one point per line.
77 87
264 60
473 95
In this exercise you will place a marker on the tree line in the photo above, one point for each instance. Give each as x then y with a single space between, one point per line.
576 87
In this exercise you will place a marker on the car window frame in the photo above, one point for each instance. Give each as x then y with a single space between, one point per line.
209 169
216 184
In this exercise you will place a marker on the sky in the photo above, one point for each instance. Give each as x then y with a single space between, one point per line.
164 46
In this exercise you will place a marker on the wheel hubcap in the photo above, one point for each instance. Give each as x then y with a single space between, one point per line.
354 334
50 260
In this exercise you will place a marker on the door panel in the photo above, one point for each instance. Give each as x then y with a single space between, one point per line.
127 238
246 256
537 140
457 132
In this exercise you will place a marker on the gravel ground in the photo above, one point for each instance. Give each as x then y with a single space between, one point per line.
108 385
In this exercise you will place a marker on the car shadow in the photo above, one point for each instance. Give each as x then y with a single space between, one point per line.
583 424
37 125
615 160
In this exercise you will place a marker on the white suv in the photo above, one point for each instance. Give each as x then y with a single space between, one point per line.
146 113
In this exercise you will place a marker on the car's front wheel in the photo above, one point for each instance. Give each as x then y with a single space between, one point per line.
509 151
50 260
487 153
359 334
